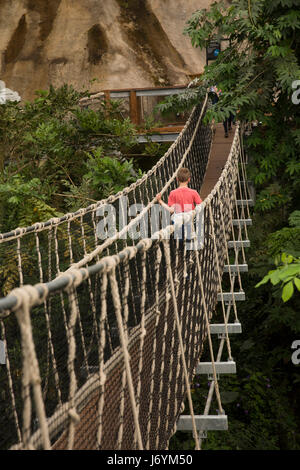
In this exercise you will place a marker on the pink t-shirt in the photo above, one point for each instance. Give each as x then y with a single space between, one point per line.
184 199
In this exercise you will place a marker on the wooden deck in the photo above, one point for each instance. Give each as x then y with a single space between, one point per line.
217 159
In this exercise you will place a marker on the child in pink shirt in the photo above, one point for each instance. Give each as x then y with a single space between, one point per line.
182 199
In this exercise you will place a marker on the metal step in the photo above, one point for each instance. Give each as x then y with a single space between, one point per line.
238 296
2 353
206 368
245 202
238 243
203 423
234 268
237 222
219 328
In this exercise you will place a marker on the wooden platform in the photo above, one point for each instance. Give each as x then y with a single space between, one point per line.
217 159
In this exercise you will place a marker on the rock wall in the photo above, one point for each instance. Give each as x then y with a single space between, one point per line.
96 44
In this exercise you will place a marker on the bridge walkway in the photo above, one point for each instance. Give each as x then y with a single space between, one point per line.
217 159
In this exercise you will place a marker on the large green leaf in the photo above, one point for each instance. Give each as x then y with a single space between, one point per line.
287 291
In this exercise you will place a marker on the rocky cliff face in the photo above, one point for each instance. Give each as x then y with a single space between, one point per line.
121 44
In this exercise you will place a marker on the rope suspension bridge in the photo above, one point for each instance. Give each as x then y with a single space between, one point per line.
102 338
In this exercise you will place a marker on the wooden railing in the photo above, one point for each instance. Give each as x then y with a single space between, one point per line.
135 95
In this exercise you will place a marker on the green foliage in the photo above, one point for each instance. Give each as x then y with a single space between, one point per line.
103 177
151 121
108 175
272 197
48 151
56 101
286 239
181 102
287 274
155 149
294 219
24 202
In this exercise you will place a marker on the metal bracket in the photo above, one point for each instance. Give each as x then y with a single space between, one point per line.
221 336
211 378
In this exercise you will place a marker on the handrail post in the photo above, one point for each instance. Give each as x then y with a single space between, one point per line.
134 108
106 101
